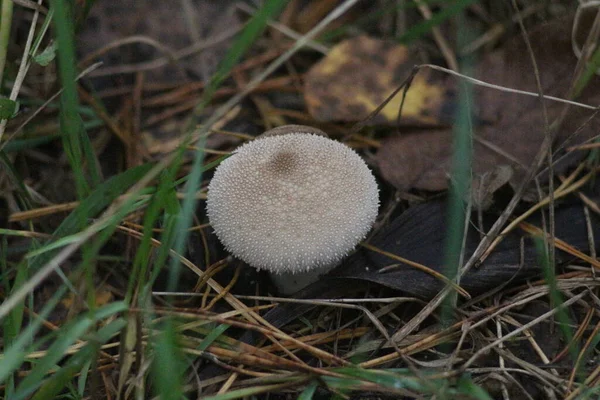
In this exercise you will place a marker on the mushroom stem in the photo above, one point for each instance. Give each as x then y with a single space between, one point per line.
288 283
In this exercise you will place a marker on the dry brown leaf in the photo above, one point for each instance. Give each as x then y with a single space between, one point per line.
510 127
360 73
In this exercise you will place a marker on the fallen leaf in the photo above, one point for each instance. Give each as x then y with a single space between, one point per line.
419 235
357 76
509 127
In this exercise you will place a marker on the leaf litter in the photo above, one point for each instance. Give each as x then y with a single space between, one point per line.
501 282
509 127
359 73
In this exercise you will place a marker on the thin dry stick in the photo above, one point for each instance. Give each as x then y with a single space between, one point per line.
562 245
560 192
438 37
583 351
506 89
435 302
528 325
234 302
225 290
577 336
531 339
321 354
545 377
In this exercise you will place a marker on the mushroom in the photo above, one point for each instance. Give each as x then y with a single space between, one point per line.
293 202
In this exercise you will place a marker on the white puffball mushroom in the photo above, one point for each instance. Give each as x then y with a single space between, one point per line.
292 201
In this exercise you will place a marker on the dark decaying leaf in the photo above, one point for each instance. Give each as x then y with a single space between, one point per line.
358 74
419 235
509 127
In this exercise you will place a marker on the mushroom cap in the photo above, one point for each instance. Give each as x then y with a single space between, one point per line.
292 202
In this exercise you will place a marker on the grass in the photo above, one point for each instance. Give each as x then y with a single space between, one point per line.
137 224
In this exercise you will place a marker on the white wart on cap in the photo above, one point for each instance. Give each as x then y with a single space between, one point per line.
292 202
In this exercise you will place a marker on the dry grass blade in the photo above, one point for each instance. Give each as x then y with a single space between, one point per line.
232 300
319 353
42 211
578 334
590 381
535 321
561 191
560 244
207 331
595 332
505 89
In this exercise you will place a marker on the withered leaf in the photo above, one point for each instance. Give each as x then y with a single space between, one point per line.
360 73
509 128
419 235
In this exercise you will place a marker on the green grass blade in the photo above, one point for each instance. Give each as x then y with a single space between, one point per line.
459 190
309 391
556 298
391 380
98 200
21 191
212 336
165 194
168 364
53 385
13 356
6 14
69 334
245 393
466 386
76 142
26 144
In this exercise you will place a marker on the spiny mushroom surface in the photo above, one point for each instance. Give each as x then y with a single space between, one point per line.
292 202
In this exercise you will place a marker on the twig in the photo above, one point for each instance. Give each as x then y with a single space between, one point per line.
523 328
506 89
438 37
